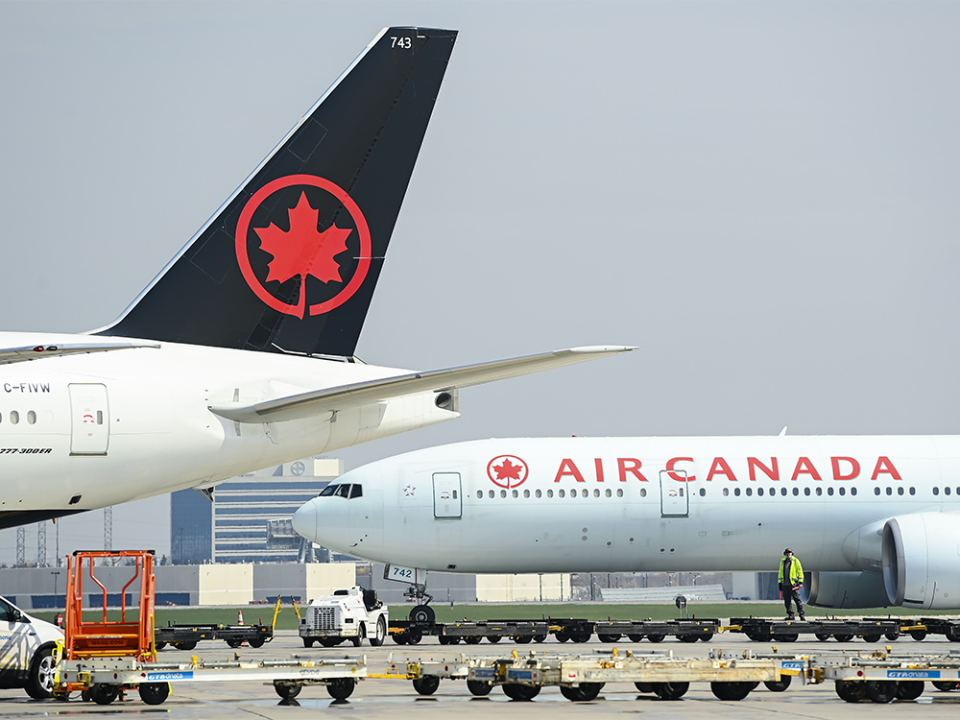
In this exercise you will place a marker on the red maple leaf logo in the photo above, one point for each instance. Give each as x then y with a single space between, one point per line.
507 470
303 250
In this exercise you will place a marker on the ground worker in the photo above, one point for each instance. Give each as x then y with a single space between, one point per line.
790 579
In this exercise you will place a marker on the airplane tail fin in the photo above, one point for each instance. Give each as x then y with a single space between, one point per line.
289 262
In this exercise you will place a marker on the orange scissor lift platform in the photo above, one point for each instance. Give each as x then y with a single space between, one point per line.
104 656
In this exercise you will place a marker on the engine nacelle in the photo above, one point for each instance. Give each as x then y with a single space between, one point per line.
921 560
852 590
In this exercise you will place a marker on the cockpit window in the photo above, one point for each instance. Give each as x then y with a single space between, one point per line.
343 491
328 490
356 491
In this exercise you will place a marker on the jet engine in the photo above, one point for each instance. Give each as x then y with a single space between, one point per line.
850 590
921 560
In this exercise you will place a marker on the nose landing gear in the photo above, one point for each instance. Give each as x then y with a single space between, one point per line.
422 613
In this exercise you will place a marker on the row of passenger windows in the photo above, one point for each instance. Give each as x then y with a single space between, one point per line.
13 417
560 493
936 491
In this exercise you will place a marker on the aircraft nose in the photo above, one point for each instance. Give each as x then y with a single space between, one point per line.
305 521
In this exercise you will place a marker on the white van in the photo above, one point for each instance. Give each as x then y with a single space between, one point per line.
26 651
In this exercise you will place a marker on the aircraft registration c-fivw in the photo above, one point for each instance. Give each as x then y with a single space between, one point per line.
240 354
877 519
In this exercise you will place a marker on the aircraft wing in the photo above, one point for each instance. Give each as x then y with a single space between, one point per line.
8 356
312 403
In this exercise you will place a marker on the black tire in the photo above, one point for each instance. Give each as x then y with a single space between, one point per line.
103 694
655 638
589 691
670 690
562 636
43 670
361 635
414 636
778 685
608 638
154 693
287 691
423 614
521 693
843 637
581 637
494 638
308 642
522 639
909 689
185 645
234 643
257 642
706 637
872 637
478 688
918 634
400 638
539 638
473 639
330 642
892 635
380 634
851 691
881 691
635 638
341 688
687 638
945 685
822 637
731 690
426 685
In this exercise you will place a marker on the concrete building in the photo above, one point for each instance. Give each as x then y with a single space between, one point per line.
247 518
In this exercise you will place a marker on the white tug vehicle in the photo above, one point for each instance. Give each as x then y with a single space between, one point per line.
352 614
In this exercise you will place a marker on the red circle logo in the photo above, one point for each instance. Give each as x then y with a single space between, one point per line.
303 250
507 471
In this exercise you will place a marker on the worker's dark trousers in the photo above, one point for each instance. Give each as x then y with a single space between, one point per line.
790 594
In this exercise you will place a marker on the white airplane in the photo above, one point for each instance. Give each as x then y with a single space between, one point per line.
877 519
240 354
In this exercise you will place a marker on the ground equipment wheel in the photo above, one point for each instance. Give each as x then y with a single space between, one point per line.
881 691
522 639
341 688
945 685
670 690
234 643
892 635
426 685
414 636
288 691
581 637
84 696
918 634
909 689
843 638
401 638
154 693
822 637
42 671
522 693
644 687
589 691
731 690
539 638
563 636
687 638
423 614
706 637
257 642
778 685
380 634
473 639
185 645
872 638
103 694
571 693
479 688
609 638
655 638
850 690
494 638
308 642
361 635
635 638
330 641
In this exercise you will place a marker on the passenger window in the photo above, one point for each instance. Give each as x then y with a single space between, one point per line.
328 490
936 491
899 491
480 494
357 491
516 493
549 493
760 492
14 417
490 494
32 417
830 491
537 493
584 493
503 493
806 491
573 494
608 493
561 493
796 492
643 493
843 491
736 491
819 491
596 493
783 491
703 492
853 491
526 493
946 491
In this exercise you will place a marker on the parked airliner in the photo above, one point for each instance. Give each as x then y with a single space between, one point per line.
877 519
240 354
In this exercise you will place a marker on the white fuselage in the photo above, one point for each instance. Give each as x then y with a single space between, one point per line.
104 428
637 504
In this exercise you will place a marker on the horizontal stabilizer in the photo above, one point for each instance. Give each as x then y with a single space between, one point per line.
316 402
8 356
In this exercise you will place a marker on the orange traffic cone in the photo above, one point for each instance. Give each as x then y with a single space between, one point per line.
239 617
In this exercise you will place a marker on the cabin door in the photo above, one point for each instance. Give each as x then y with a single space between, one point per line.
674 495
447 496
89 419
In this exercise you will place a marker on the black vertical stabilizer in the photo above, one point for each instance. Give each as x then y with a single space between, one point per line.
290 261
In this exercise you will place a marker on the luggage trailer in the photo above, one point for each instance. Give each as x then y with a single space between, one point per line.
871 630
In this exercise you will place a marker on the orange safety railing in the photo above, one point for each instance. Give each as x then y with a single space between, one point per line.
132 634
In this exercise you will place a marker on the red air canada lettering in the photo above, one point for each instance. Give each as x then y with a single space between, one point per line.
679 469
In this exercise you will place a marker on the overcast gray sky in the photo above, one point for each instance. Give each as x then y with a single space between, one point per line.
764 196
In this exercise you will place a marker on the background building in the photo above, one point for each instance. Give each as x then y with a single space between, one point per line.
248 518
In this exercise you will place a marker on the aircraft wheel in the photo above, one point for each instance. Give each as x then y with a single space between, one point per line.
423 614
